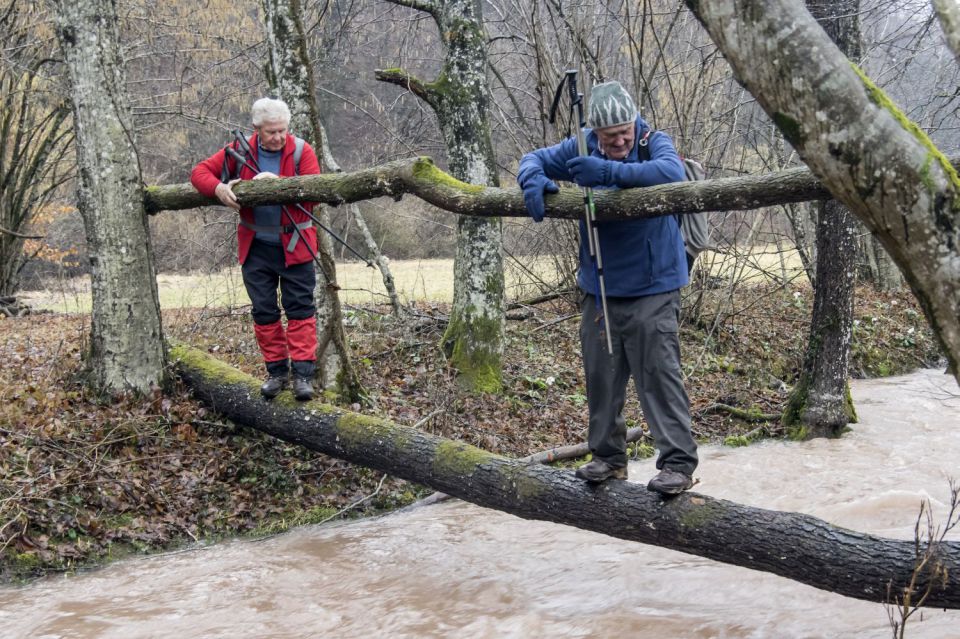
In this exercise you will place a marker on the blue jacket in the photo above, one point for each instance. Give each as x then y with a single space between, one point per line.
640 257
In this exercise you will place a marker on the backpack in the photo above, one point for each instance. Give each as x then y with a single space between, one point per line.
226 174
694 227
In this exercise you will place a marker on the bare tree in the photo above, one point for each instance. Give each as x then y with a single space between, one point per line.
34 133
291 74
459 96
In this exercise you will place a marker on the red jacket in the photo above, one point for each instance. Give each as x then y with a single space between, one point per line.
206 176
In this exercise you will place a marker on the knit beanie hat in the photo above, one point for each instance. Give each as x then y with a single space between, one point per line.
610 105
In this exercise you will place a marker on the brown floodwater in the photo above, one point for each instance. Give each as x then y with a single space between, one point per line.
458 570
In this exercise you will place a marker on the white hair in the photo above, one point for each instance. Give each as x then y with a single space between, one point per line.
269 110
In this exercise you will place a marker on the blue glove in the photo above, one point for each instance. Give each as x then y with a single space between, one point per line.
533 189
589 171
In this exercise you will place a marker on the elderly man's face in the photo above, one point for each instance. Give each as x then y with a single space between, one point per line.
616 141
272 135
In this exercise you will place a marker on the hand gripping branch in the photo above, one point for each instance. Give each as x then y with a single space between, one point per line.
248 160
589 211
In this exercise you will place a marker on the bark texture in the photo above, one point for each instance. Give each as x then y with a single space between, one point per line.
420 177
868 154
291 75
949 13
819 404
796 546
126 345
459 96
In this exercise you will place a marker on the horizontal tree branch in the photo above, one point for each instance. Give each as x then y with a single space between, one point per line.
409 82
422 178
792 545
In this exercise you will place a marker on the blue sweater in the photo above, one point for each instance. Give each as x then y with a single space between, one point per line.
640 257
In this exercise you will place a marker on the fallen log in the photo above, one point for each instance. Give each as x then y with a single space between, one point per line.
796 546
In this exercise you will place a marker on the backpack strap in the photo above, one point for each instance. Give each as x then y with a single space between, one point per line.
643 146
297 154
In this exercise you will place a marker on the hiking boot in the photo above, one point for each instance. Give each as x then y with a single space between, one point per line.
599 470
302 388
272 387
670 482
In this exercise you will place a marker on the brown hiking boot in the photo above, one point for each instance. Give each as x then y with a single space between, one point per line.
599 470
670 482
302 388
272 387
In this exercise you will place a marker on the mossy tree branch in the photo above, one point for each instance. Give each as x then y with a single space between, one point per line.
871 157
796 546
409 82
420 177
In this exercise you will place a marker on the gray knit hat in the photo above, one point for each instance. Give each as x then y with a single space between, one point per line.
610 105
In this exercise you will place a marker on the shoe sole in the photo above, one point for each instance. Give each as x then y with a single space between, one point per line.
669 491
619 473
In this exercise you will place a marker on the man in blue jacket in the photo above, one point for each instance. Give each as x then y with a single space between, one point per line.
644 264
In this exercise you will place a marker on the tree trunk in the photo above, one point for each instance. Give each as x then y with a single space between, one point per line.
792 545
868 154
291 75
473 340
126 345
876 265
820 403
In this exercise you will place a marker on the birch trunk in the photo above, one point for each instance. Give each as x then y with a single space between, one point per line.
473 340
865 151
126 345
291 75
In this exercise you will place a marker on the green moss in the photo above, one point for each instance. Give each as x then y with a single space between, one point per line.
521 483
458 458
359 431
798 433
736 441
467 346
212 368
313 515
424 169
848 403
698 514
642 450
884 102
789 127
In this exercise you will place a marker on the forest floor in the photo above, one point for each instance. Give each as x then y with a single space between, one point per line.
83 480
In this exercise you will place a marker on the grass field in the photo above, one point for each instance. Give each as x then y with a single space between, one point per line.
421 280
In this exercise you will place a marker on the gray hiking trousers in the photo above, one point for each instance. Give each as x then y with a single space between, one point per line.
645 344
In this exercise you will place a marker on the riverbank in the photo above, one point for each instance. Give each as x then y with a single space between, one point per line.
82 481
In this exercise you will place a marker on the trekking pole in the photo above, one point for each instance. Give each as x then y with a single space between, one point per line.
589 211
256 169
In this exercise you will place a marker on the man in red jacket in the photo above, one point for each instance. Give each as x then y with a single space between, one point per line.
276 245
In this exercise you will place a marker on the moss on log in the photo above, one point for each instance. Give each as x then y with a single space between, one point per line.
796 546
